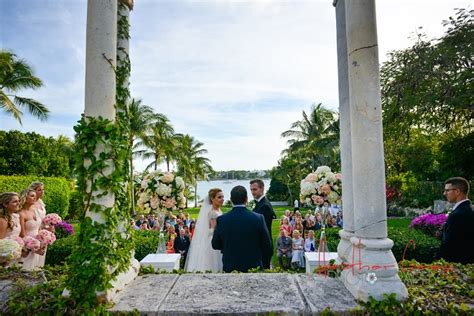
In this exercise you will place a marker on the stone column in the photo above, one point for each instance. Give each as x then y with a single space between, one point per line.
100 94
344 248
101 42
375 270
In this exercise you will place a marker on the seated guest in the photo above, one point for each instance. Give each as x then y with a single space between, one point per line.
309 243
285 225
187 219
171 238
458 230
186 232
297 260
151 220
181 246
339 221
134 225
141 220
309 222
299 225
284 248
179 224
318 222
144 226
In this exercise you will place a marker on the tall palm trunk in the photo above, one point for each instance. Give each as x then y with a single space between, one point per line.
132 187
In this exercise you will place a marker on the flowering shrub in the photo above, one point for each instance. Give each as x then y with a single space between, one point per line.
63 229
431 224
392 193
160 192
52 219
45 237
9 250
321 186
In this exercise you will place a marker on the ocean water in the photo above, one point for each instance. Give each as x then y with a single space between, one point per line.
226 186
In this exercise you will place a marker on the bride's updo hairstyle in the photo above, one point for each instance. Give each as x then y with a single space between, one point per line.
213 193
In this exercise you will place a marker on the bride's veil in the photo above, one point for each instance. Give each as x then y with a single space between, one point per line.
197 256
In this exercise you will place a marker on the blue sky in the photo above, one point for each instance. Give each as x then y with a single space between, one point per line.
233 74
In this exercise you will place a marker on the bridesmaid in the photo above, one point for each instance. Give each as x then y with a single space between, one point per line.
38 187
30 223
9 217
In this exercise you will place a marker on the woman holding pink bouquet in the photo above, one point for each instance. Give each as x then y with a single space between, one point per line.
10 228
38 187
30 223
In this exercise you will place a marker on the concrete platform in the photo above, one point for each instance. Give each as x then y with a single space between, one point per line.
236 294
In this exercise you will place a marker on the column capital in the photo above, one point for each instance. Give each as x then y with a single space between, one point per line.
129 3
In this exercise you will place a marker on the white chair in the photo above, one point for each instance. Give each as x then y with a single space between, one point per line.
162 261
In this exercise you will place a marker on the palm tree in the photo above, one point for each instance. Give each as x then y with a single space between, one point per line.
16 74
157 141
315 138
191 162
139 119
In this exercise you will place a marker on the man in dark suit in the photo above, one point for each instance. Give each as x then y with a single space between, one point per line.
181 245
241 235
264 207
458 231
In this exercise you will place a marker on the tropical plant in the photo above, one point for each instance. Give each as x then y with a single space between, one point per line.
15 75
192 164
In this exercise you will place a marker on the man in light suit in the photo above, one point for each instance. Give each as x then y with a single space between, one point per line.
458 231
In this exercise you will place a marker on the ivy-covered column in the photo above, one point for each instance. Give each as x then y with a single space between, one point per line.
101 263
375 268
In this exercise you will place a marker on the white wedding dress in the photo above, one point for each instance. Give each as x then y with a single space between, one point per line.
201 256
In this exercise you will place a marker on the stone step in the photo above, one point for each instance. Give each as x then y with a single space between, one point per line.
243 293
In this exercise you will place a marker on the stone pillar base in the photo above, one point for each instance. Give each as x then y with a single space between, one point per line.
373 270
344 248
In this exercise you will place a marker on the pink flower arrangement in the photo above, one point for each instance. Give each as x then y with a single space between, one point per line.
45 237
31 243
321 186
52 219
431 224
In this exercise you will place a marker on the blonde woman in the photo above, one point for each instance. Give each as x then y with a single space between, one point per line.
38 187
30 223
9 217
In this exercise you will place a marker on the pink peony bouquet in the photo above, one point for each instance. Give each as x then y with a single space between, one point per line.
52 219
19 240
31 243
45 237
9 250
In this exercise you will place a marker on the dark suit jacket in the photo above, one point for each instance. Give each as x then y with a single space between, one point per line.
180 245
265 208
243 238
458 235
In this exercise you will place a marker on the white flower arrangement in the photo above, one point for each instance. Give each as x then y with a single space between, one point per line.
160 192
321 186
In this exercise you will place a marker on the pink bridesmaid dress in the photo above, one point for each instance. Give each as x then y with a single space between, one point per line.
32 227
42 213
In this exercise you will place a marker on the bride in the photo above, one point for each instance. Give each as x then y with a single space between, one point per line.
201 256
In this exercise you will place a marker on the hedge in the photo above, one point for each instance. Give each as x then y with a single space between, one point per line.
57 190
425 250
145 242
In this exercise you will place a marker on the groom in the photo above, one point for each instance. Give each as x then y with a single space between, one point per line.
241 235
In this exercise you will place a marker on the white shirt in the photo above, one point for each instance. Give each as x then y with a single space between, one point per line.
260 198
457 204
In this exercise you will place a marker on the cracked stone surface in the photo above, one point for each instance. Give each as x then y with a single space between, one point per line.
145 293
255 293
5 287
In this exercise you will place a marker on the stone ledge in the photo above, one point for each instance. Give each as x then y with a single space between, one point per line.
236 294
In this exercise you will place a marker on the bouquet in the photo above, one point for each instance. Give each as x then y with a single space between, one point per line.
161 192
31 243
52 219
431 224
45 237
321 186
9 250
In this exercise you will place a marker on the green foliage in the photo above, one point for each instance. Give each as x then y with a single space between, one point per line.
103 249
435 289
16 74
146 242
415 193
33 154
57 191
59 252
424 251
427 104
